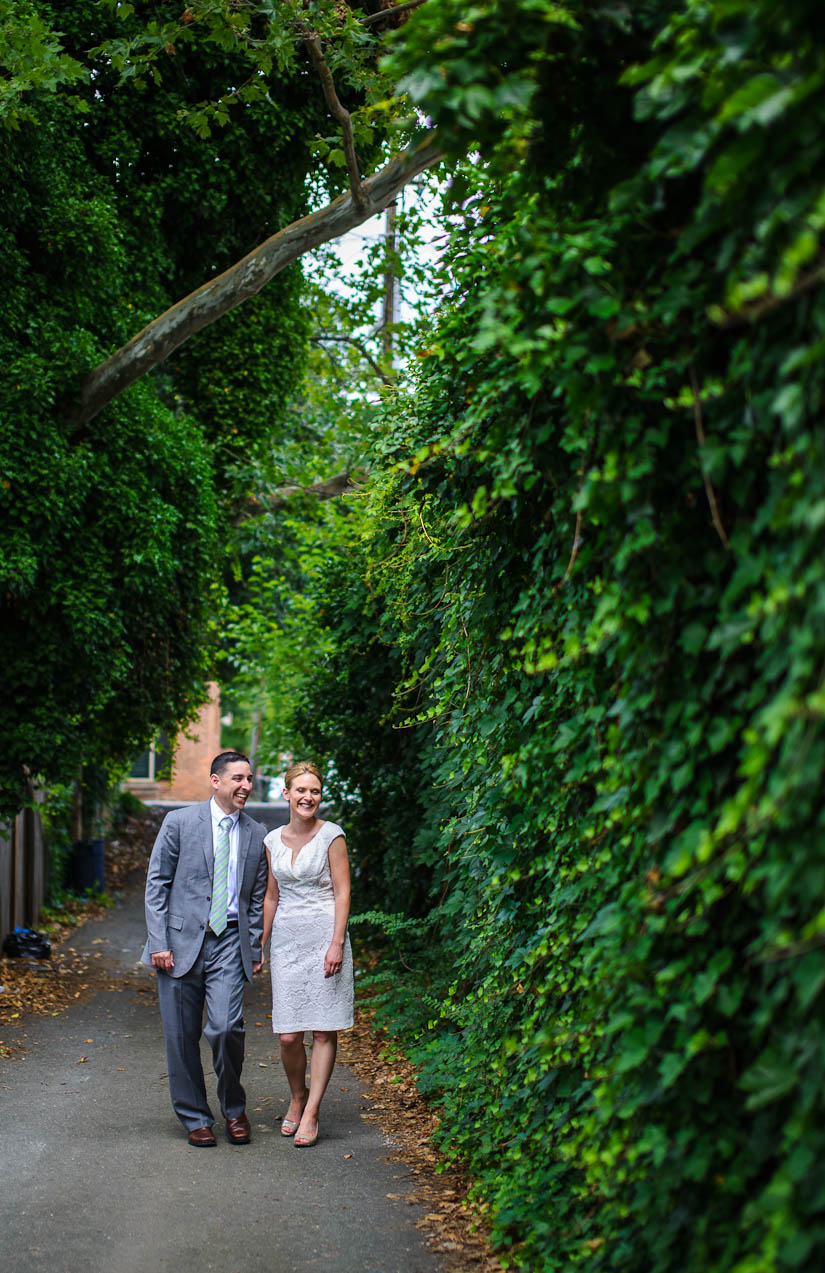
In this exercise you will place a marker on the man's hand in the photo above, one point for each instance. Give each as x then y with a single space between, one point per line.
163 960
256 967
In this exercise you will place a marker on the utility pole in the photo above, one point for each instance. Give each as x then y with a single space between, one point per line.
390 284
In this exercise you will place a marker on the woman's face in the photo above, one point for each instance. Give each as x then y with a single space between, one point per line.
304 795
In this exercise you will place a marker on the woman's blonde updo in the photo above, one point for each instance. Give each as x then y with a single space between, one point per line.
302 767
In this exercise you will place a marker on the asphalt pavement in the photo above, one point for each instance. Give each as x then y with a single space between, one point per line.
97 1173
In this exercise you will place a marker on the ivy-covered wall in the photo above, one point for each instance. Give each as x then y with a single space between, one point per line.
595 557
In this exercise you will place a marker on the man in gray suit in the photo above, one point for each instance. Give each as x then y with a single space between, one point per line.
204 915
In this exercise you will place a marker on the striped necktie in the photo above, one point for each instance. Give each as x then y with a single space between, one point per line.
217 913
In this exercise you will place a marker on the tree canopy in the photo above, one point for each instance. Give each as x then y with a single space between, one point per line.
119 198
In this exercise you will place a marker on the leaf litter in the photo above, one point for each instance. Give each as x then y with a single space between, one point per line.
47 987
454 1224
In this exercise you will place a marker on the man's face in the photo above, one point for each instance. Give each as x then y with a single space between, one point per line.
232 786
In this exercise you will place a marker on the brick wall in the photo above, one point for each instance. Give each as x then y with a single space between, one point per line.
194 750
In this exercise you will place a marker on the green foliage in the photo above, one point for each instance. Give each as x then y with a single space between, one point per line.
588 600
125 806
32 58
265 43
343 714
277 631
108 536
195 205
113 536
56 811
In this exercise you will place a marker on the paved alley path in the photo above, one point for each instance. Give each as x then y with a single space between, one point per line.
97 1174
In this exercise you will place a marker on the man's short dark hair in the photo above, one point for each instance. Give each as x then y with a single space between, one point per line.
227 758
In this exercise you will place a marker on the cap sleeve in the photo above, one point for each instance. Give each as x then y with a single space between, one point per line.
273 840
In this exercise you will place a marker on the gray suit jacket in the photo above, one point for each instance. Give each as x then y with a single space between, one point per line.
179 887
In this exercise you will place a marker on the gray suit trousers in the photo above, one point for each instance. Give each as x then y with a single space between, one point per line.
215 982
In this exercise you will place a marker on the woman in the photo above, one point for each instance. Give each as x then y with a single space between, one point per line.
306 910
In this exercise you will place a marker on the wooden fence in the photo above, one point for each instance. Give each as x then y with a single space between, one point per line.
22 872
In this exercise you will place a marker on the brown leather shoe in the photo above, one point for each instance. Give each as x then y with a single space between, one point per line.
202 1138
238 1131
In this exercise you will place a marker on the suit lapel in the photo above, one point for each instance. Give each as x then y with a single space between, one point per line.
244 838
206 835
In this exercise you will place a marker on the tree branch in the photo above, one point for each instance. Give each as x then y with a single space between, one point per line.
330 488
362 349
577 532
245 279
372 18
313 46
337 371
700 437
752 312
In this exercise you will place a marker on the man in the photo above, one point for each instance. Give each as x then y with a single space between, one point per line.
204 914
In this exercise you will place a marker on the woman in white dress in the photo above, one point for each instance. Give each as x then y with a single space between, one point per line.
306 911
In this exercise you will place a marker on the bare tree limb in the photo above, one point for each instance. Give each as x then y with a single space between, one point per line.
577 532
313 46
330 488
336 368
245 279
372 18
390 284
701 439
574 551
362 349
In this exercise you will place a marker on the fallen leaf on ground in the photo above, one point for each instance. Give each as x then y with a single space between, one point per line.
456 1230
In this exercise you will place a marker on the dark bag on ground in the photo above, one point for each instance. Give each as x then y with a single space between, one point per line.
27 943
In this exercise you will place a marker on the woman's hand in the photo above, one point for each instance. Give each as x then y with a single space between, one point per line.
334 958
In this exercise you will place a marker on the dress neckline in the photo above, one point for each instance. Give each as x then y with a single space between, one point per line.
299 851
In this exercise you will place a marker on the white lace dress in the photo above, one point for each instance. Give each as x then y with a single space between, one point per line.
302 997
